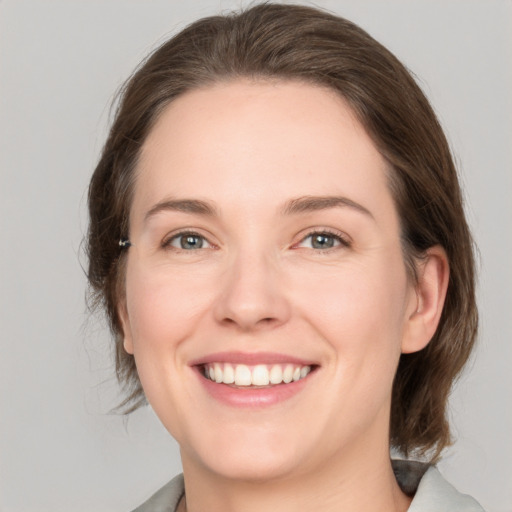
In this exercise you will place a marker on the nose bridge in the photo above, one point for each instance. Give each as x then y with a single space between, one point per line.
251 294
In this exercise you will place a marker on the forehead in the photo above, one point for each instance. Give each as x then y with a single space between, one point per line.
244 139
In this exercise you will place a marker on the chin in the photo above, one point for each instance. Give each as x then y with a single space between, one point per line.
244 456
254 468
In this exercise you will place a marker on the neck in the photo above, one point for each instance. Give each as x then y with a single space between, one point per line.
362 482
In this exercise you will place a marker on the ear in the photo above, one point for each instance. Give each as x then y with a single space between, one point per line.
122 312
424 313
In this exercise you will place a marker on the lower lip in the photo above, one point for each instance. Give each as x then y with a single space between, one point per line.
251 397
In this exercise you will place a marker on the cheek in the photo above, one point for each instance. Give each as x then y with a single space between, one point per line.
162 308
359 309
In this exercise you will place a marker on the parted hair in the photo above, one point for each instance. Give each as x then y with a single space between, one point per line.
292 42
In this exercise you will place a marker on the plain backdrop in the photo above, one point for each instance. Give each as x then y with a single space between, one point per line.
60 62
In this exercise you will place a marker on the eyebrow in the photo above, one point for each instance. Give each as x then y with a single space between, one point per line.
307 204
195 206
295 206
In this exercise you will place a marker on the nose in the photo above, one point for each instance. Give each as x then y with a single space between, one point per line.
251 296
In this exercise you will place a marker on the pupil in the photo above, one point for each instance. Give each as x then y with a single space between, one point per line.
323 242
191 242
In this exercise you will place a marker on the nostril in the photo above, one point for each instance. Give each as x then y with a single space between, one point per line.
249 305
261 322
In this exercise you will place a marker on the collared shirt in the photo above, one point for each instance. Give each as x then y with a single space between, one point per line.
432 493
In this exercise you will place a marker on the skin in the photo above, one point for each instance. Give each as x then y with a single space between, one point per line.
258 284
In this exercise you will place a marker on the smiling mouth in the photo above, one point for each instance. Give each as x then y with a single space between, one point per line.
251 376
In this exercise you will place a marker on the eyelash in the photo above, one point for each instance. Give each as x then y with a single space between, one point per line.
167 242
339 239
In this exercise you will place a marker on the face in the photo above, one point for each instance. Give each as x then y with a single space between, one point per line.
267 301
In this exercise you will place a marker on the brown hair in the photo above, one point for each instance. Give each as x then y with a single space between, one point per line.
301 43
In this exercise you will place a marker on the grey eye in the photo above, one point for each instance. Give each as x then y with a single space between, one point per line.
188 242
322 241
191 242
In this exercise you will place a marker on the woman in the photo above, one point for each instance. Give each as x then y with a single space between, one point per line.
278 239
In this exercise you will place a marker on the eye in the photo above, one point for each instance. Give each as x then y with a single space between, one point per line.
323 240
187 241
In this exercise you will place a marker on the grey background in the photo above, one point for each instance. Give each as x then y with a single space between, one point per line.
60 62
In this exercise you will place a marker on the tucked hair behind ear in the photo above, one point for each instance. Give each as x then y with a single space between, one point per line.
289 42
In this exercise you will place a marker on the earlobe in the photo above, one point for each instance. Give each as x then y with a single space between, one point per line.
125 325
127 344
433 275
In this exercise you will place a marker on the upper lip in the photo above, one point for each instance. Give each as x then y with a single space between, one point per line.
250 358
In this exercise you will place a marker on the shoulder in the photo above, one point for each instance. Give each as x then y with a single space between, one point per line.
165 499
432 493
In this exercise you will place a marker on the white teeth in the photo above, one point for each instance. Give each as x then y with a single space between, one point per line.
229 374
276 374
217 371
288 374
258 375
242 375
